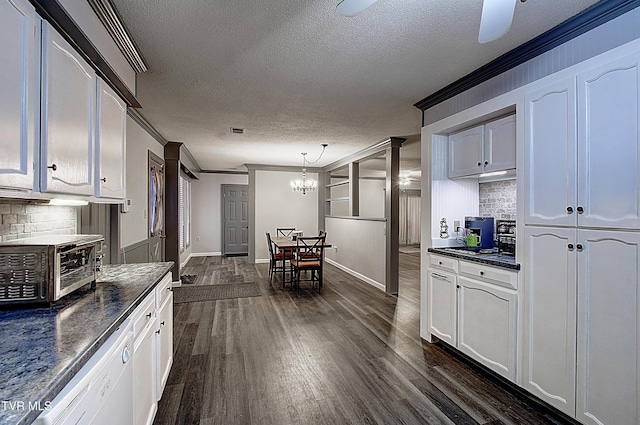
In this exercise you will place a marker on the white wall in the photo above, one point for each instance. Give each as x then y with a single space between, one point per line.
361 248
206 211
372 198
276 205
134 224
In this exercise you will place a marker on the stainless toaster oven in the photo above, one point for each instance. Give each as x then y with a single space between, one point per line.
46 268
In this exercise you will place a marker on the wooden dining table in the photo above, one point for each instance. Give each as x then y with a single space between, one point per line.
290 245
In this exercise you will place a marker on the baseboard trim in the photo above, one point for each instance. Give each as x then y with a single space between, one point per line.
261 261
354 273
206 254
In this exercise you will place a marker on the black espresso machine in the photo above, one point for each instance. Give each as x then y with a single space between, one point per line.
479 233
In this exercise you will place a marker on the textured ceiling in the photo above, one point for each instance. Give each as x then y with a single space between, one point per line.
295 74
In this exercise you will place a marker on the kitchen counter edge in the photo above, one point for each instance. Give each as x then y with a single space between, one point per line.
512 265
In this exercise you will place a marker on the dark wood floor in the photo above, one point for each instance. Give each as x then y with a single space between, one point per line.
351 355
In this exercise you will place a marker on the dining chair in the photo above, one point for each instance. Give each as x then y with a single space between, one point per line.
275 258
309 256
284 232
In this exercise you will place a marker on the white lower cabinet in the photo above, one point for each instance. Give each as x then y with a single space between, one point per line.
442 305
608 382
144 368
153 351
549 317
165 341
473 307
581 337
487 325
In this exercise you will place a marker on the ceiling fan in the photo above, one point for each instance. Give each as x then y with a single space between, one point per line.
495 22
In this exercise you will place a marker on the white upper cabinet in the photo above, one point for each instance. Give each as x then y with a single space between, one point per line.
486 148
67 129
550 152
582 153
110 143
465 152
500 145
608 150
19 89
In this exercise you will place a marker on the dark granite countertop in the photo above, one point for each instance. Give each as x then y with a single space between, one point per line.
492 259
42 348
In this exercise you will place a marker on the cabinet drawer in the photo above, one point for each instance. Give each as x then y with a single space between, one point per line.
444 263
163 290
490 274
143 315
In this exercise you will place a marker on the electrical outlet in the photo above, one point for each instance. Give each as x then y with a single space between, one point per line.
456 225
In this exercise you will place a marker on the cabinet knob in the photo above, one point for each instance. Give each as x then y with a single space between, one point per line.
149 316
481 273
53 167
103 180
570 246
479 164
486 163
162 323
440 262
580 210
579 247
158 331
569 210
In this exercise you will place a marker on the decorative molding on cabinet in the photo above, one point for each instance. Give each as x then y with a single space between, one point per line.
594 16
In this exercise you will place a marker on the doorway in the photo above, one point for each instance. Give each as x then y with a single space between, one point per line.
235 219
156 208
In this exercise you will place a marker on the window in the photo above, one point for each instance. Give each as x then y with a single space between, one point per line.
184 213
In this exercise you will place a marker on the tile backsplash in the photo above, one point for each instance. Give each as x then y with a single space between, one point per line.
498 200
19 220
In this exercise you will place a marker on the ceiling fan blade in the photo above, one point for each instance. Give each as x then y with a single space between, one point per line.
496 19
353 7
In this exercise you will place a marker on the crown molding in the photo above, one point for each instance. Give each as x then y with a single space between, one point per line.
579 24
111 20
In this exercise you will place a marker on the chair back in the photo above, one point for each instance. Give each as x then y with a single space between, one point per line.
322 233
269 244
284 232
310 248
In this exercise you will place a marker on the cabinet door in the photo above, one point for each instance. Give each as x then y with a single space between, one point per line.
67 121
549 316
500 144
20 88
608 327
164 334
465 152
110 143
442 307
550 155
486 325
144 378
608 153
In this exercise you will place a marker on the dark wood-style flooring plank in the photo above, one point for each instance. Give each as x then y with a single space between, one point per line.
349 355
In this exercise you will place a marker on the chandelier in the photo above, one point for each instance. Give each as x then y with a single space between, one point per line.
305 184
